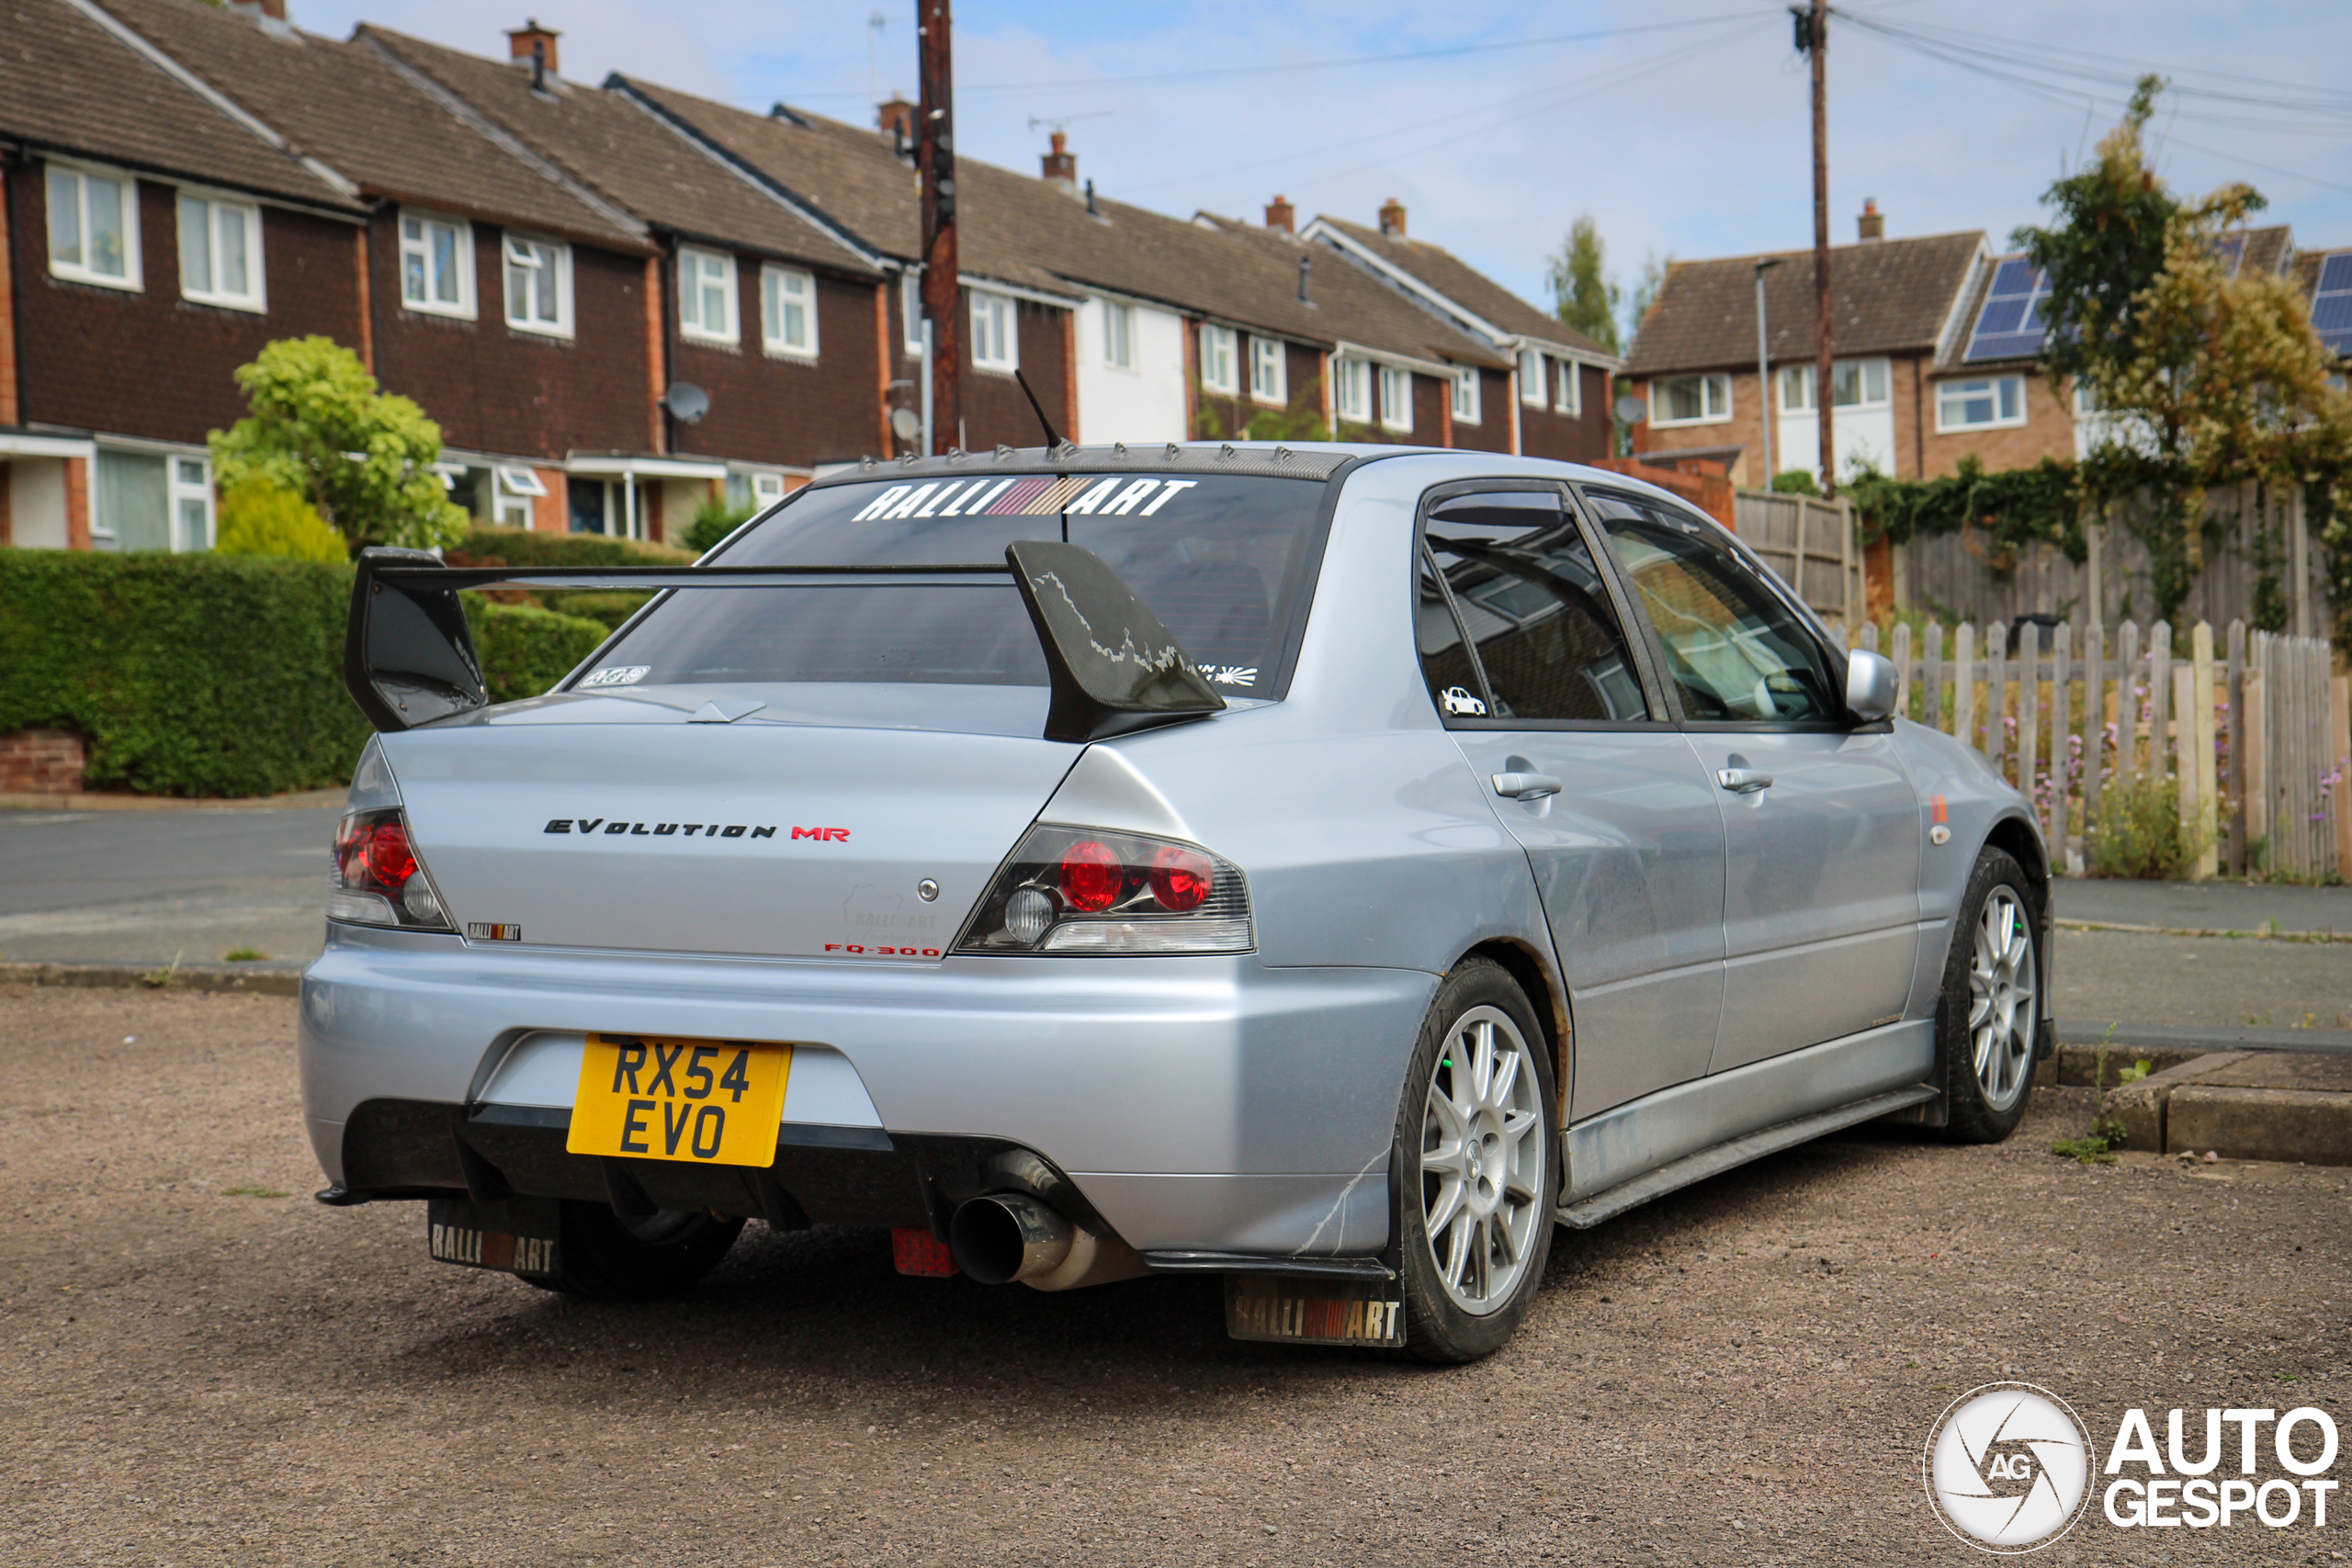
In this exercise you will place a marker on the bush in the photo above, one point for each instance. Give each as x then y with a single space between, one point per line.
2139 832
258 518
204 675
524 649
714 520
528 546
191 675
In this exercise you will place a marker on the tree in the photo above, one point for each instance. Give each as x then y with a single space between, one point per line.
259 517
2203 376
1642 295
320 428
1583 295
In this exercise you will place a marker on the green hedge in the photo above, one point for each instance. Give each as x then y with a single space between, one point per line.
527 546
212 675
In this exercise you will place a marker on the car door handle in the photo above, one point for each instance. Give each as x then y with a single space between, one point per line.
1526 786
1743 780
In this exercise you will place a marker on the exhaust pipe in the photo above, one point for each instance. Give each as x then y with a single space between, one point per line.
1009 1236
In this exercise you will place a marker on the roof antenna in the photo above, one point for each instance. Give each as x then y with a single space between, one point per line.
1053 437
539 66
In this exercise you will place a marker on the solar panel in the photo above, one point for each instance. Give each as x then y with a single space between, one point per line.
2332 303
2011 325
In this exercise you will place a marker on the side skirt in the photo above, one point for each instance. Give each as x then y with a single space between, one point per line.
1737 1152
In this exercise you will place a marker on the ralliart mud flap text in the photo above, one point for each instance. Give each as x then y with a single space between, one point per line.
517 1236
1315 1312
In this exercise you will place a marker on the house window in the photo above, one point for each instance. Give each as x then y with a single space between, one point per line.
538 286
995 343
1568 390
517 488
910 311
1218 361
1351 389
1693 400
192 517
1858 383
1986 403
1530 377
789 311
768 489
93 227
221 252
1465 395
706 295
1268 375
1396 397
437 265
1119 335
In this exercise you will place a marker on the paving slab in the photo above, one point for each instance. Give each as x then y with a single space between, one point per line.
2263 1105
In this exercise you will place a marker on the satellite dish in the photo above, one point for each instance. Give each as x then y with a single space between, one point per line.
686 401
905 423
1631 410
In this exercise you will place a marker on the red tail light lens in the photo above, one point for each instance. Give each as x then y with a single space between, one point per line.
377 878
1092 877
1181 878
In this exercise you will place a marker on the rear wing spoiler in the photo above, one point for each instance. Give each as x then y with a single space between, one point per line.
408 655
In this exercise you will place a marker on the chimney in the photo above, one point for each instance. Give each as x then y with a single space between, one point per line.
263 13
1061 163
1873 223
1392 220
535 43
897 116
1280 214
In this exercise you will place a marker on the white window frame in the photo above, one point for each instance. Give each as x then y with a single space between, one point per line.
1269 371
1948 391
1712 384
218 210
1800 379
1118 335
1220 360
1466 394
180 490
513 490
768 489
133 277
1351 389
1530 377
773 281
1567 393
548 259
911 312
418 247
996 332
695 266
1396 393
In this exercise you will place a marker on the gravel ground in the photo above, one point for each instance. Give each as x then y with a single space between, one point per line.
203 1367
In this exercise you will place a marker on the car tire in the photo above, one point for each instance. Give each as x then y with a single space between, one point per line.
1478 1159
1988 1016
601 1258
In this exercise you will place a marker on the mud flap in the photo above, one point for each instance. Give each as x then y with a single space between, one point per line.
517 1235
1315 1312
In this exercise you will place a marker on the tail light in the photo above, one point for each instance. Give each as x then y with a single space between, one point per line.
378 881
1082 890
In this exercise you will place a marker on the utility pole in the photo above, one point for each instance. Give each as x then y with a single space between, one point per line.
1813 37
1764 368
936 161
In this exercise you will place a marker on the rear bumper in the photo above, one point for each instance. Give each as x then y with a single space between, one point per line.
1208 1104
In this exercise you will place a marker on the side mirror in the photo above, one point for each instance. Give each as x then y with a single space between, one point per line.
1870 686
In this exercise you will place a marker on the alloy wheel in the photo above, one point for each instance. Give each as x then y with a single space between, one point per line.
1482 1160
2001 984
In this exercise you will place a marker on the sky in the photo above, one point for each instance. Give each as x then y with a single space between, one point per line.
1682 125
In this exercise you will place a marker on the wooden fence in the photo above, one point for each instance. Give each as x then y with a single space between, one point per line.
1809 542
2255 735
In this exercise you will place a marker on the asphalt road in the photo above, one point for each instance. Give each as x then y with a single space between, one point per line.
202 1366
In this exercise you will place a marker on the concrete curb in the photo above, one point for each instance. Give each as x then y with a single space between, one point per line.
2242 1105
304 800
245 978
2203 1037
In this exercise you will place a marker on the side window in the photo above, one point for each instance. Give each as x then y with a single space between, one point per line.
1734 652
1520 627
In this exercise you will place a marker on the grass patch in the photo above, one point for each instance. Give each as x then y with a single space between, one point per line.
244 955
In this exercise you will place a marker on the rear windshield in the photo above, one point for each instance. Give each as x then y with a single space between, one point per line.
1225 561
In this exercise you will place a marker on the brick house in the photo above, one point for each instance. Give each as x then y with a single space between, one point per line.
519 307
776 316
1555 397
152 226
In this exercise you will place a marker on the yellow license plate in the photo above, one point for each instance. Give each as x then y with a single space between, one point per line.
703 1101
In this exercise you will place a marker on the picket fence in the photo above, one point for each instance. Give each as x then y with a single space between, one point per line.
2256 736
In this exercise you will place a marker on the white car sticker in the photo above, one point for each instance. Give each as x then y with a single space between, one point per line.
617 675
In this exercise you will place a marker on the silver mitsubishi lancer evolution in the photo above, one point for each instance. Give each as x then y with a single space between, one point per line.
1332 868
